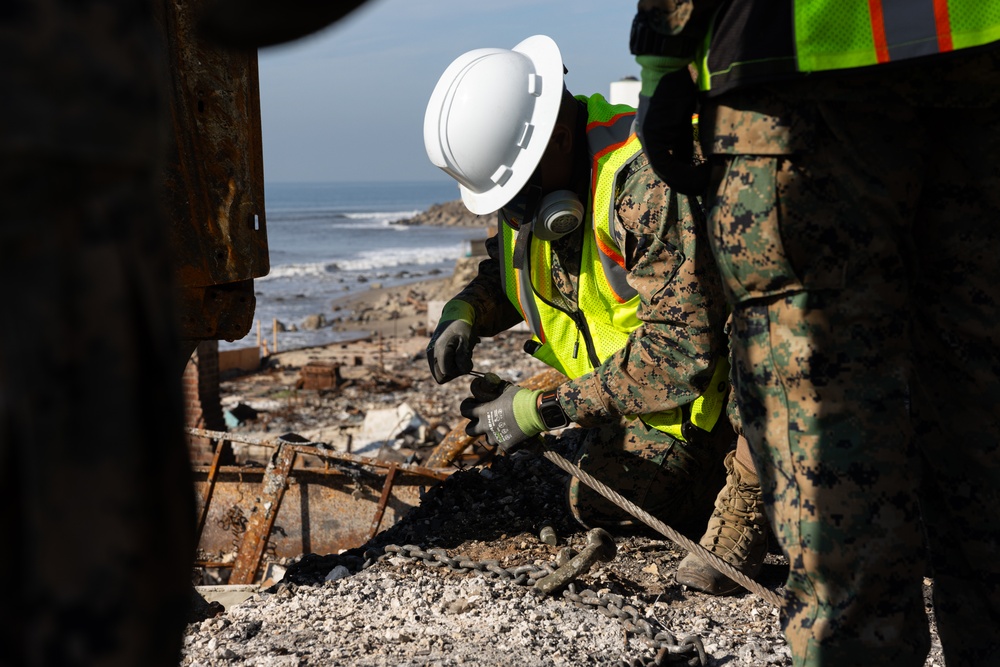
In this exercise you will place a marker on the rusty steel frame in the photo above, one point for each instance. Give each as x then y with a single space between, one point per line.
274 483
262 518
213 473
383 500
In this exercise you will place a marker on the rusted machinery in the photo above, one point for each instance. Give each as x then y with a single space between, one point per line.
339 502
214 179
286 511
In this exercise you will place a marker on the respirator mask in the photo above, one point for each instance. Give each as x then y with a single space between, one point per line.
549 218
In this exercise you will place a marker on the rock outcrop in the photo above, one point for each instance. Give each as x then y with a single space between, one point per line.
450 214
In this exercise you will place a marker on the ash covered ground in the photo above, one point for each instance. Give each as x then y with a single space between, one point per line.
404 599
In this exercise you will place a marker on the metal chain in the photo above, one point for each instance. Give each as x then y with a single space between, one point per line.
235 522
669 649
522 575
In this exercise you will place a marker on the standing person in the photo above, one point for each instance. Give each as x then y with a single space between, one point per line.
95 483
608 268
856 184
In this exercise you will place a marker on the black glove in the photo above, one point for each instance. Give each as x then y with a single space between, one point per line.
449 351
667 134
505 413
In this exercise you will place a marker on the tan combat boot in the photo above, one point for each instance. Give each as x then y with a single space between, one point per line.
737 533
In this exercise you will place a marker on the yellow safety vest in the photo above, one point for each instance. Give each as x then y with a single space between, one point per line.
822 35
576 340
839 34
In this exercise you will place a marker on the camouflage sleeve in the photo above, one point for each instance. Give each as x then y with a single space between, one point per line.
671 17
670 358
665 37
486 294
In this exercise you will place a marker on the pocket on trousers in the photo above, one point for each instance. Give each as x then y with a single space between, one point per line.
761 248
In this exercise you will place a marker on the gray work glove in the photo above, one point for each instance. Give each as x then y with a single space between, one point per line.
504 412
449 351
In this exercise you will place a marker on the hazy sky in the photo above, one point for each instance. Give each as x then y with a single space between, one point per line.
347 103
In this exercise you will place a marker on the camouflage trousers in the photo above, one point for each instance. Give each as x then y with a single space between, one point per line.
675 481
96 495
856 223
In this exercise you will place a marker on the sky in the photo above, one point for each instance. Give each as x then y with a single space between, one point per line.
347 103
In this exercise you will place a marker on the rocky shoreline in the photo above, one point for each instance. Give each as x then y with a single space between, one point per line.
401 310
450 214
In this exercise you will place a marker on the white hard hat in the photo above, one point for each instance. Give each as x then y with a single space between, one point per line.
490 117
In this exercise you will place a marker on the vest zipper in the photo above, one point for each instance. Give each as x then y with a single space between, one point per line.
581 325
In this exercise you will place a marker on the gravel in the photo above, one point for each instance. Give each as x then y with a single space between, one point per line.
403 610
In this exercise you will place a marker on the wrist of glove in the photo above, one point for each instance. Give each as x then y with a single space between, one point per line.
657 32
449 351
652 69
505 413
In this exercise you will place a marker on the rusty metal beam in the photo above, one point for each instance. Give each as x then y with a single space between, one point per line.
423 471
262 518
319 450
386 491
213 473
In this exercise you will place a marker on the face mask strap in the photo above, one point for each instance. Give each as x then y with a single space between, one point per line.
532 198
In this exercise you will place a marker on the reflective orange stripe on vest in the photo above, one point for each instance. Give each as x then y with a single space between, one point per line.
906 25
839 34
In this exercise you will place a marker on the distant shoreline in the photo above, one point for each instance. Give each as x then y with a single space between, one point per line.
392 304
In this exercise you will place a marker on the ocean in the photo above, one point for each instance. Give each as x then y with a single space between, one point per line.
331 240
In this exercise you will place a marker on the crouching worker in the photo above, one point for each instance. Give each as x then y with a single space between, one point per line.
609 269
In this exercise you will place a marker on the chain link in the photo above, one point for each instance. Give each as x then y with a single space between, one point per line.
669 648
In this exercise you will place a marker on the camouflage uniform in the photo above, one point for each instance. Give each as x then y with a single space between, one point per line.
855 225
96 498
666 362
